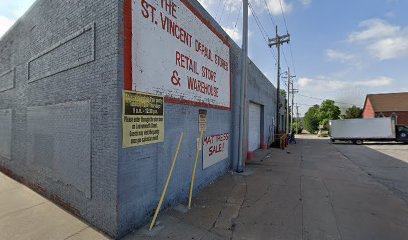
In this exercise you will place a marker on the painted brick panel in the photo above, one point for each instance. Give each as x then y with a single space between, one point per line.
74 51
5 133
59 141
7 80
45 38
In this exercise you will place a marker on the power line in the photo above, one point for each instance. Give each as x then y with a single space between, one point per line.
258 21
222 11
284 57
287 31
261 29
270 15
343 103
284 18
218 9
293 61
239 14
308 105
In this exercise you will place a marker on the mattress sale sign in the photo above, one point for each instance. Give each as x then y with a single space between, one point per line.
175 52
215 149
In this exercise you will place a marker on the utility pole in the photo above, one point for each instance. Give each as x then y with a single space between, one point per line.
242 146
291 114
288 126
297 118
277 41
293 91
287 103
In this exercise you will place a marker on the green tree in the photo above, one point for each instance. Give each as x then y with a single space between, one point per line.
321 115
312 119
353 112
299 128
282 92
329 111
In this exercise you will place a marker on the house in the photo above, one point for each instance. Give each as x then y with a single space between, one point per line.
387 105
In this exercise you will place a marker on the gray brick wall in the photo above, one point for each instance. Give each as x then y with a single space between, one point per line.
143 170
58 74
64 58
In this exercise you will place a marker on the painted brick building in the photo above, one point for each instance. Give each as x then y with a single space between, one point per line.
387 105
64 67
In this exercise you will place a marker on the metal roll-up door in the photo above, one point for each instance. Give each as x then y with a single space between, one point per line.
254 126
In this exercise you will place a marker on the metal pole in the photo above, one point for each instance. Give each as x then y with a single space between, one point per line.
287 104
278 84
291 115
242 113
166 185
297 118
194 169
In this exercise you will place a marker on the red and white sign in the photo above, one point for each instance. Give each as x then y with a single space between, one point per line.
173 51
215 149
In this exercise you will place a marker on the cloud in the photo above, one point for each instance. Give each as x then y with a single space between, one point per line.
323 84
233 33
206 3
306 3
5 24
390 48
374 29
335 55
390 14
274 6
377 82
21 7
15 9
382 39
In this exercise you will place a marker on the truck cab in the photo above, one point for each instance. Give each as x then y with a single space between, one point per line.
402 133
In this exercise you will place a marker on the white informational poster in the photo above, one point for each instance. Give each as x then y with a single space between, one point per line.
215 149
179 55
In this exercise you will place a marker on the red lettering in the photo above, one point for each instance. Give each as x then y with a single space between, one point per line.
199 86
145 9
170 7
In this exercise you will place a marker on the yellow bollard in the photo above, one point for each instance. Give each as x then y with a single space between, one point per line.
194 170
167 184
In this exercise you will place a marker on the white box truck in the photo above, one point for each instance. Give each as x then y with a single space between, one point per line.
371 129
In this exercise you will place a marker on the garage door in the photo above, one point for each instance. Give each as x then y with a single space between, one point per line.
254 126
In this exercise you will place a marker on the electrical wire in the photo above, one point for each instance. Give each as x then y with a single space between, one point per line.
269 12
291 55
261 29
316 98
284 57
284 18
287 31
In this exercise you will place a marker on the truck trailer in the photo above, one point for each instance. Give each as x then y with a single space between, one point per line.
371 129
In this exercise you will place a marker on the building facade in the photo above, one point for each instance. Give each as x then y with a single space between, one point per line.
84 123
387 105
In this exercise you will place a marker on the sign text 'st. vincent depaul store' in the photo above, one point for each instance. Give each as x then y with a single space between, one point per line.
175 54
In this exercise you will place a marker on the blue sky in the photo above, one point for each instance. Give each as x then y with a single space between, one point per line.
342 50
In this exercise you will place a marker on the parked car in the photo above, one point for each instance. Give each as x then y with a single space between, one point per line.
323 133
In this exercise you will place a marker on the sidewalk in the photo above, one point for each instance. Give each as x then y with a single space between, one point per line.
310 191
26 215
313 190
253 205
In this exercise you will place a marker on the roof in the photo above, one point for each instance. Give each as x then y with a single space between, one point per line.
388 102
